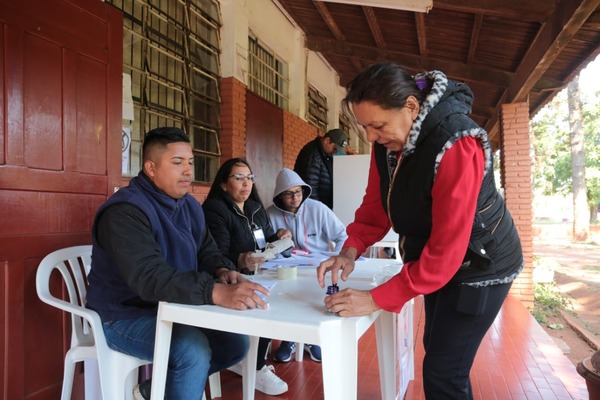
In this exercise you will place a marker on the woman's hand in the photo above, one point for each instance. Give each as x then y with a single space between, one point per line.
344 262
246 261
351 302
240 296
284 234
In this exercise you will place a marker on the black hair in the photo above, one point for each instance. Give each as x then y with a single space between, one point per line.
223 175
162 137
386 84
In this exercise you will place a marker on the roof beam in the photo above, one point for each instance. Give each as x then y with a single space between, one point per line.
418 63
334 28
329 21
421 34
374 26
530 10
568 17
474 37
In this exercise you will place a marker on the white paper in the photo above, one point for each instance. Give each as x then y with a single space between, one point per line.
311 260
127 98
125 149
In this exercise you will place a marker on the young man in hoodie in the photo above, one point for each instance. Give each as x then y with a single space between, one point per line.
315 228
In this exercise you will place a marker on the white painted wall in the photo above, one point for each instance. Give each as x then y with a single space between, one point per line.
269 22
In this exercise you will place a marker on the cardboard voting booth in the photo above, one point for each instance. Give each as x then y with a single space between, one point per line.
350 175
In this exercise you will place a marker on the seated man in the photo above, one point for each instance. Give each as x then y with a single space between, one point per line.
151 244
315 228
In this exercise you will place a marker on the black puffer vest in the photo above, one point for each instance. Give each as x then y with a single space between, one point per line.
494 253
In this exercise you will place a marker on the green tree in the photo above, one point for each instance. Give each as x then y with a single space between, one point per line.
581 212
552 172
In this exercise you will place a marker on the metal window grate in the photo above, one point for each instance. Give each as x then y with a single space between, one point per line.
171 49
317 108
268 74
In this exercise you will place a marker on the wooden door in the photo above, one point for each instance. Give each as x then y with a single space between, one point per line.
264 143
60 108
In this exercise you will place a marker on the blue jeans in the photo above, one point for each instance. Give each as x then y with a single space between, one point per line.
194 354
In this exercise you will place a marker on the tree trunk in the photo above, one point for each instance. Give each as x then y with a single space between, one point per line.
581 214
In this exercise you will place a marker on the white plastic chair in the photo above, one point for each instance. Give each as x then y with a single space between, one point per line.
87 336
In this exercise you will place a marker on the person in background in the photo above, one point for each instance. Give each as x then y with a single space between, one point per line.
431 179
314 229
151 244
314 164
239 223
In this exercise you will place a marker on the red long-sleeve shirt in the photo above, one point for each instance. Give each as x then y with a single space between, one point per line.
454 200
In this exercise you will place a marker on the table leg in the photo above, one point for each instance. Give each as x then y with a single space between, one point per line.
339 350
249 370
162 345
386 353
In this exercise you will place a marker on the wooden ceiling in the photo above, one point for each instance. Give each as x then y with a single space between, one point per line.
505 50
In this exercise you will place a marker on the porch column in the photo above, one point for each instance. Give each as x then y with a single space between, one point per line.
233 118
516 176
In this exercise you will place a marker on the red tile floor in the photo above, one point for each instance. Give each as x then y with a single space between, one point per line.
517 360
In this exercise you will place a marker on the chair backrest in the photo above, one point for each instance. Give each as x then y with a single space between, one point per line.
74 264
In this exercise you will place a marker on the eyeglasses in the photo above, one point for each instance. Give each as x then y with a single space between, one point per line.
289 195
242 177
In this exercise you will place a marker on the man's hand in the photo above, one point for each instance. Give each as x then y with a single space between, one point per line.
240 296
351 302
225 275
344 262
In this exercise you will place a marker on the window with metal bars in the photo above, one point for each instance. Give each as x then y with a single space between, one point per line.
317 108
267 74
171 50
345 124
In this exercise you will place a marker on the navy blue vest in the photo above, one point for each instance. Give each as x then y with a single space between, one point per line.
177 226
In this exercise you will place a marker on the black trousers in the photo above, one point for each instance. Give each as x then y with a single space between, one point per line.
456 320
261 352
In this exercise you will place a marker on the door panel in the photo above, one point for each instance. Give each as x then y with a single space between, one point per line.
264 143
60 149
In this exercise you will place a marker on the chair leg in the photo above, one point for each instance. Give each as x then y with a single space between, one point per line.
68 376
299 351
214 382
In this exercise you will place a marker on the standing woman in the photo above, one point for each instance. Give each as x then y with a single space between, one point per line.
239 224
431 179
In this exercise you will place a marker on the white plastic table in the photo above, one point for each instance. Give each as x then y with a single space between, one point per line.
296 313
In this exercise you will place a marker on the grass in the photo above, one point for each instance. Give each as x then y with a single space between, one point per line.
548 300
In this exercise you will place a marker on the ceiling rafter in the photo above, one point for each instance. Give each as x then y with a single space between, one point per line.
552 37
335 29
477 22
329 21
374 26
507 50
421 34
529 10
482 74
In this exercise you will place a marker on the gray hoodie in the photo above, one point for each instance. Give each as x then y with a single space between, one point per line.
314 226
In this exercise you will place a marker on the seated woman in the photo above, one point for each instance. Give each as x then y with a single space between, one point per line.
239 224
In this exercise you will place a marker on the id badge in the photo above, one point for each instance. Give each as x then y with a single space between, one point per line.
259 237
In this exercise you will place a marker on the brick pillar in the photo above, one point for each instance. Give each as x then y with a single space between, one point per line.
516 172
296 133
232 137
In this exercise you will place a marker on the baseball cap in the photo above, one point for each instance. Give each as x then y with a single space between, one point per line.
338 136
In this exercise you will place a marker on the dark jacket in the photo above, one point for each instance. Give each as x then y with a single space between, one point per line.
494 252
315 167
149 247
232 228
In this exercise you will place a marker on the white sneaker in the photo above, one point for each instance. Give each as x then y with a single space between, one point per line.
269 383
